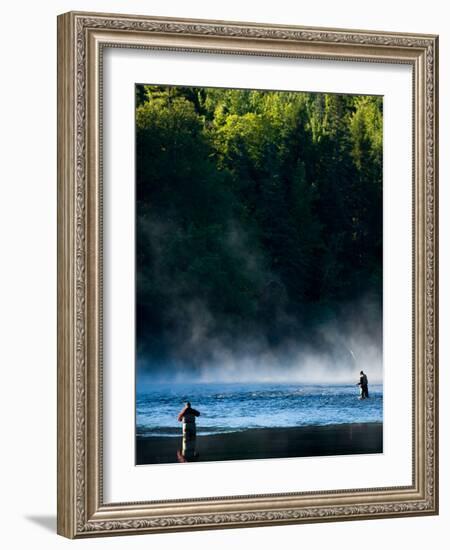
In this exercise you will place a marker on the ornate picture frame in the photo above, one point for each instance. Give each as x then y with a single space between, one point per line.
82 511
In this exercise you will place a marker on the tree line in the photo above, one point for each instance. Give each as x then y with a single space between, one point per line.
261 208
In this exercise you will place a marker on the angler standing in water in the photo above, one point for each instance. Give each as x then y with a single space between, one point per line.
187 416
364 385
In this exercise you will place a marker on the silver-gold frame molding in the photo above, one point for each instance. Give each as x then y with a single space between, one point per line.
81 39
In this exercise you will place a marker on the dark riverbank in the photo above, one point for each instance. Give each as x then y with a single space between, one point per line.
338 439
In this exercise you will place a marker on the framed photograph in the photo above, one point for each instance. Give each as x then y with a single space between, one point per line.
247 274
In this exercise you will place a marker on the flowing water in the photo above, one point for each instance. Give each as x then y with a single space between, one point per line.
237 407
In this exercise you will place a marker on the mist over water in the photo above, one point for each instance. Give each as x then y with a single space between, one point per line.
332 353
191 339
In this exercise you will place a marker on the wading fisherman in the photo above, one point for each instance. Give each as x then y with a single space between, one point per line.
188 416
364 385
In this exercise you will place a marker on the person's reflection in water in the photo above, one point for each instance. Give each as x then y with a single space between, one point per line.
188 452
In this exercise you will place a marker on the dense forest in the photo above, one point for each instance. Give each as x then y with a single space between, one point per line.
258 217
